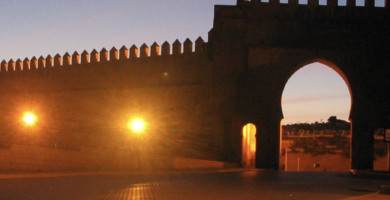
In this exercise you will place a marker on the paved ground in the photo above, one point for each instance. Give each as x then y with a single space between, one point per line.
253 184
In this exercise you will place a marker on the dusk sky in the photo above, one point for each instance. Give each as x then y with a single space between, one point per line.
42 27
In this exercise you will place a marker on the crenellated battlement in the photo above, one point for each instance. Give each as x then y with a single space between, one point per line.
94 57
325 3
289 23
318 9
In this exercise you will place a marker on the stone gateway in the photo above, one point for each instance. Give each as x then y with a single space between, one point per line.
196 98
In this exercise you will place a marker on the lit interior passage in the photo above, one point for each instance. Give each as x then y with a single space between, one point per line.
248 146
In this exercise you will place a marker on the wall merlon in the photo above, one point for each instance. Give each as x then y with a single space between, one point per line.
199 43
11 66
26 64
4 65
123 53
33 64
67 59
103 55
313 3
165 49
292 2
239 2
84 57
154 50
369 3
49 62
351 2
41 62
144 51
187 46
113 54
276 2
94 56
57 60
75 58
133 52
332 3
18 65
176 47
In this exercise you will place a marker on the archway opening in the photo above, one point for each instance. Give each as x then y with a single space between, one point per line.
316 134
248 146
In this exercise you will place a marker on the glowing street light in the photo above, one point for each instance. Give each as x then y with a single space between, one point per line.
137 126
29 118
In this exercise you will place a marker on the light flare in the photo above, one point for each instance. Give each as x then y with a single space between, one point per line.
137 125
29 118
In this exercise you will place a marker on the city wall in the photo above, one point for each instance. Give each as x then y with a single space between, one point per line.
36 159
87 101
197 97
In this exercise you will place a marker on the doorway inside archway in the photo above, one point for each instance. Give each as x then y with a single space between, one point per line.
248 146
381 151
316 135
